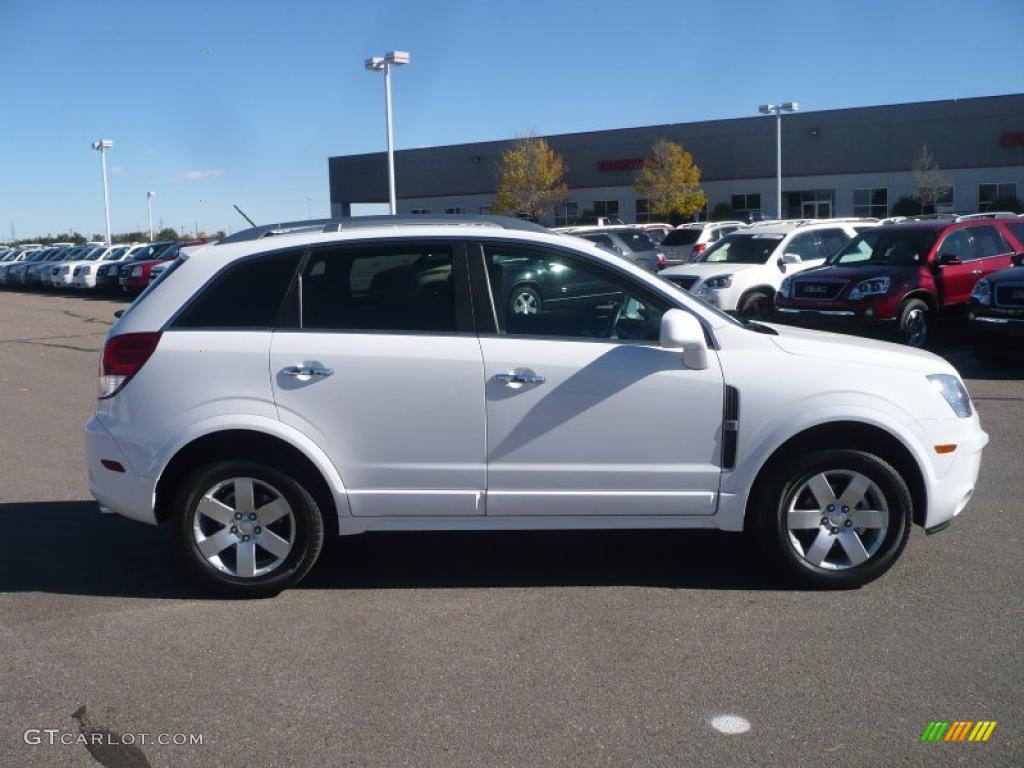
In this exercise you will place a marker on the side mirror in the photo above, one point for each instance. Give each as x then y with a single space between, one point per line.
949 259
1018 259
681 330
790 258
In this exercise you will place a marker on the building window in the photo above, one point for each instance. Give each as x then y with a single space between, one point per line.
943 205
485 210
810 204
420 211
606 207
643 211
989 193
451 211
873 203
566 214
744 205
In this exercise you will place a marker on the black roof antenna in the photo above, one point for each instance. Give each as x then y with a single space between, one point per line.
251 222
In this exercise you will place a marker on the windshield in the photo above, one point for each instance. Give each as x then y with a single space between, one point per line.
742 249
115 254
884 245
144 253
94 253
682 237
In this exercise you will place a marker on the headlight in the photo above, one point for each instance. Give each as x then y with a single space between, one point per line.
136 271
982 293
721 281
787 283
953 392
877 286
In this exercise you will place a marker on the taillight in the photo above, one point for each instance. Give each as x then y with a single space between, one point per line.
699 248
123 357
661 259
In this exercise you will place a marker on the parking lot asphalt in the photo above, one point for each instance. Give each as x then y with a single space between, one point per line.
596 648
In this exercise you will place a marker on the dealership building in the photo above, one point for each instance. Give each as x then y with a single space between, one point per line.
841 162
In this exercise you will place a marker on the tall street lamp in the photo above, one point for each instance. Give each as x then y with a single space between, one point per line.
777 110
149 204
378 64
101 146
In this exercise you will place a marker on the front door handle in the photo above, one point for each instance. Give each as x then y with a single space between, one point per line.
518 379
307 372
975 271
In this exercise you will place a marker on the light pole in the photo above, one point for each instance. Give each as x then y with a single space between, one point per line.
149 204
309 208
378 64
777 110
101 146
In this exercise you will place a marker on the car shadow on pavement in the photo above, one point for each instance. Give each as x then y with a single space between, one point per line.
67 547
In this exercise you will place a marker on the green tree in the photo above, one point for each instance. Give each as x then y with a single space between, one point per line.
167 233
722 212
907 206
530 179
670 180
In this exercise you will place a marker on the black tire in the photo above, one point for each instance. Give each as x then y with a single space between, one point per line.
527 294
308 532
915 323
788 479
756 305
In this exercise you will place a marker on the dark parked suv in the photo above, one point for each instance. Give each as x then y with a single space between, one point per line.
997 307
897 277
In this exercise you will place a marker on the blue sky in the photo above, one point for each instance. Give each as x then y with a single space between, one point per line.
253 121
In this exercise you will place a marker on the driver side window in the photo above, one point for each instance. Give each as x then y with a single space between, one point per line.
540 292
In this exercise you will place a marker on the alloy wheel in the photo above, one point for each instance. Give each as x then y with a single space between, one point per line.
244 527
915 329
525 303
837 519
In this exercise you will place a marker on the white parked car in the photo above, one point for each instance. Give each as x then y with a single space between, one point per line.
688 241
742 272
65 276
373 377
84 273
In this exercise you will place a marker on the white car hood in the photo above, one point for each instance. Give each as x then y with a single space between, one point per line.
856 349
705 269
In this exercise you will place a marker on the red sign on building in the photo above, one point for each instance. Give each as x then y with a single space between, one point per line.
622 164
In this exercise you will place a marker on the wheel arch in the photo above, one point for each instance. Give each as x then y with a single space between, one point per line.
766 289
855 435
244 444
922 295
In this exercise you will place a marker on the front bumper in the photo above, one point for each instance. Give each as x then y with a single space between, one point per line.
953 478
838 320
998 333
125 493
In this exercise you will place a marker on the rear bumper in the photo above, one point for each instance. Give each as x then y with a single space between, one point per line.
124 493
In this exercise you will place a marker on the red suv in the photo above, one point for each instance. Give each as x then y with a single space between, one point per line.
897 277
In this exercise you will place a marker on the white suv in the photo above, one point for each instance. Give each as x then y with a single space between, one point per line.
742 272
688 241
371 376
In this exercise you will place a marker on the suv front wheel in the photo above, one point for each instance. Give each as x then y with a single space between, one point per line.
914 321
835 518
246 529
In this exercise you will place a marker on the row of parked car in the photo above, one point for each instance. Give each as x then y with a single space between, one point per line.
121 268
893 277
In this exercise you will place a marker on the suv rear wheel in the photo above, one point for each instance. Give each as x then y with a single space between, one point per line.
915 318
247 530
835 518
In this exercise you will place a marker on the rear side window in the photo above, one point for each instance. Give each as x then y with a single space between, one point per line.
988 241
396 287
805 246
248 294
636 240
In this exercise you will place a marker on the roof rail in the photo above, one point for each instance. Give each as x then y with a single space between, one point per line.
987 215
367 222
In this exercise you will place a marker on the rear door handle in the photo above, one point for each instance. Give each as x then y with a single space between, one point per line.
307 372
518 379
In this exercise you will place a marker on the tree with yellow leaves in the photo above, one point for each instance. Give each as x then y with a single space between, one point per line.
670 180
530 179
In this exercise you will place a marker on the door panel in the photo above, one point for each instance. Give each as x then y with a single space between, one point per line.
956 280
400 413
615 428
